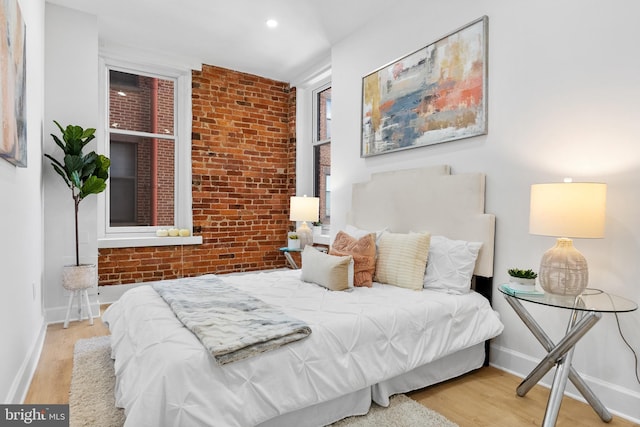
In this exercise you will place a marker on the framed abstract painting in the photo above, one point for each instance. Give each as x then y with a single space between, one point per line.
13 84
433 95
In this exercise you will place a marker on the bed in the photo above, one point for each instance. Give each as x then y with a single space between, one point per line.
366 344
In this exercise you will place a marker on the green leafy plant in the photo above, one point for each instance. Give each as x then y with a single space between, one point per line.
522 274
83 174
317 223
293 236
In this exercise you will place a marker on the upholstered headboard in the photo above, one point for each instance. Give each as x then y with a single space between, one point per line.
428 199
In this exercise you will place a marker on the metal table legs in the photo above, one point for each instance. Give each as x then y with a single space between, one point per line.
559 355
291 261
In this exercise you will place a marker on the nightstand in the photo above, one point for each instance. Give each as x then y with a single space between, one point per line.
287 254
292 263
586 310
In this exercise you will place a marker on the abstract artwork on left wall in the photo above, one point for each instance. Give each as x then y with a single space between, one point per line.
435 94
13 85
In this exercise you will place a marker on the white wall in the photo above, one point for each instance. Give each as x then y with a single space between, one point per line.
563 101
21 249
71 97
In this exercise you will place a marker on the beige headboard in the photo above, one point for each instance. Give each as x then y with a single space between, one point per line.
427 199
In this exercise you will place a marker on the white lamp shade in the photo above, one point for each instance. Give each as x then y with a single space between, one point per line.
568 209
304 208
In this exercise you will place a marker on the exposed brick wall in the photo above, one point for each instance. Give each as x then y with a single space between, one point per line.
243 161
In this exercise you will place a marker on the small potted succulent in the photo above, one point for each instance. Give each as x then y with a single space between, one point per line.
293 241
522 277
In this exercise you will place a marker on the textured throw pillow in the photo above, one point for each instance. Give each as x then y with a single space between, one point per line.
402 259
329 271
450 265
362 250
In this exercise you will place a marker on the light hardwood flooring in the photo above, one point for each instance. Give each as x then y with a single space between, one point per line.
52 379
483 398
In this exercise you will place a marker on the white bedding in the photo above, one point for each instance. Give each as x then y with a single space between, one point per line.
360 338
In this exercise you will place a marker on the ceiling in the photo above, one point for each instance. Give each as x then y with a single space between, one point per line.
231 34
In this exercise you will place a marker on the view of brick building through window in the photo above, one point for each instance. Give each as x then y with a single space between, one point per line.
142 185
322 155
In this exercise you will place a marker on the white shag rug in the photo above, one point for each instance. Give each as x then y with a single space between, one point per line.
91 399
92 402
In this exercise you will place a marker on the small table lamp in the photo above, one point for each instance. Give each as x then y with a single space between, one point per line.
572 210
304 209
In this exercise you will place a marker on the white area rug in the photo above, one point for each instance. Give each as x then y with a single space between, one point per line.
91 398
92 404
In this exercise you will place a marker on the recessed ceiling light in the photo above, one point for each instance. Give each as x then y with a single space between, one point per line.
272 23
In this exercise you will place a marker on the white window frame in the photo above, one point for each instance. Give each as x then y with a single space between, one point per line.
315 113
315 141
115 237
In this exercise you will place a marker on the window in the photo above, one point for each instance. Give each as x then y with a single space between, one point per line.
147 128
322 150
142 150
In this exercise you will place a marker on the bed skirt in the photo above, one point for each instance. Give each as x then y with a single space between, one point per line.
359 402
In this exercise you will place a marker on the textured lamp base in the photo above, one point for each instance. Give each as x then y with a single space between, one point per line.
305 234
563 270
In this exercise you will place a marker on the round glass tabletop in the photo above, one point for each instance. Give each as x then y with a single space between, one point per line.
590 300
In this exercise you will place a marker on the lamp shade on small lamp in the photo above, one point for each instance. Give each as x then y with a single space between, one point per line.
304 209
566 210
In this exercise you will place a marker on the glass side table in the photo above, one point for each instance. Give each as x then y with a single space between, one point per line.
287 254
292 263
586 310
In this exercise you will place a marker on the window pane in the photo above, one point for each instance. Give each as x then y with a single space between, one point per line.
140 103
324 115
322 154
141 190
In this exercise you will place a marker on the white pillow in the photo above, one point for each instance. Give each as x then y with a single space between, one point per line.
330 271
450 265
359 233
402 259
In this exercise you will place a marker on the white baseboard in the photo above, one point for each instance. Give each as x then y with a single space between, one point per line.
22 380
57 314
620 401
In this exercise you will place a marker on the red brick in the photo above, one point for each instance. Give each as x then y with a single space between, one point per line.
243 166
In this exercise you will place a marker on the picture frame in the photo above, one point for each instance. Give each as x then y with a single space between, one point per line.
433 95
13 84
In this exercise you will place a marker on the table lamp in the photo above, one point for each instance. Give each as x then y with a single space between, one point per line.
569 209
304 209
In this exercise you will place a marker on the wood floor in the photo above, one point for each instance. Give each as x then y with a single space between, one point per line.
483 398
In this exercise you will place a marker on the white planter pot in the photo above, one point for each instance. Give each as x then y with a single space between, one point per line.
525 282
79 276
523 285
293 243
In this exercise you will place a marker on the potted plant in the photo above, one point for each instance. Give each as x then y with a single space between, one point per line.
293 241
525 278
84 174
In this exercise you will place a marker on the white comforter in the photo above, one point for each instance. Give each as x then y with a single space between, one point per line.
165 377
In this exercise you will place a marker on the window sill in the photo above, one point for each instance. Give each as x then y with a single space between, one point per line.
141 242
322 239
